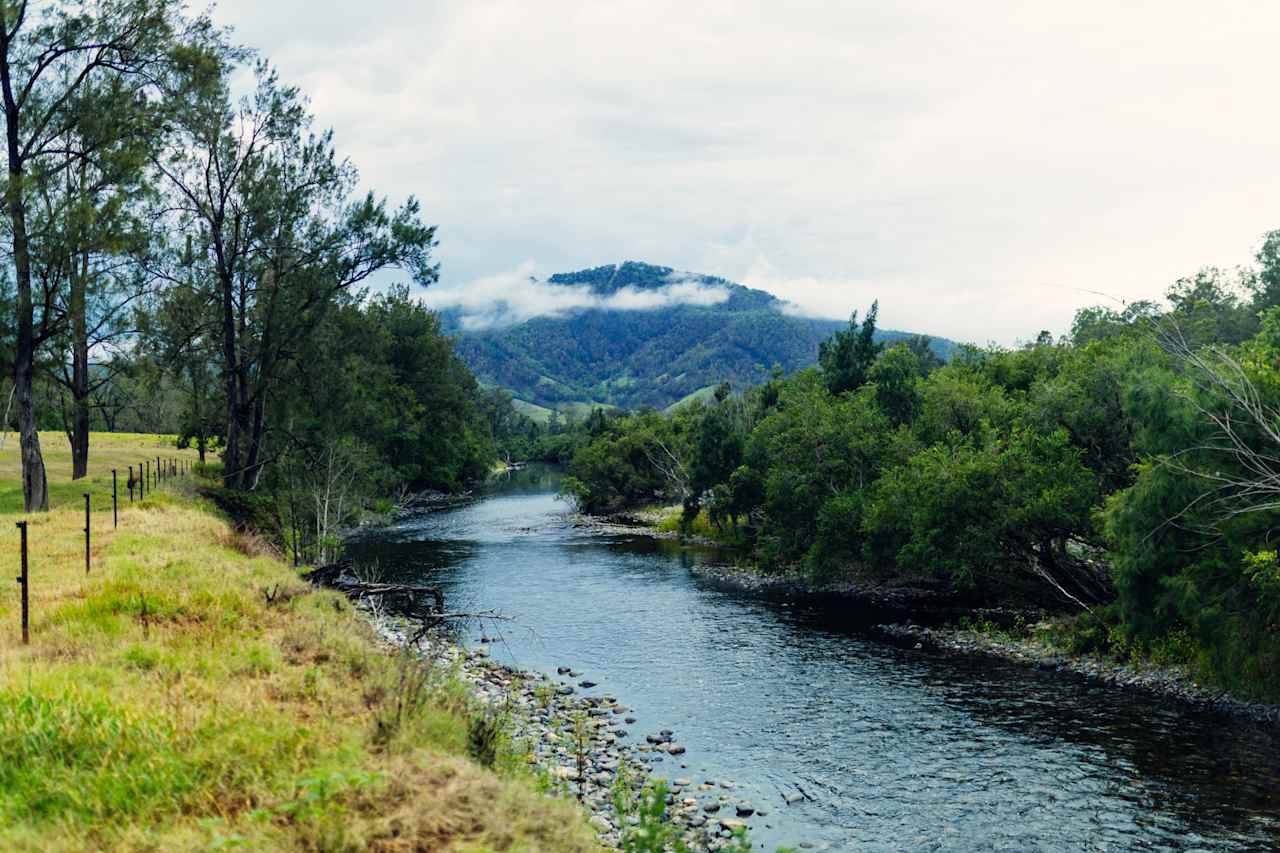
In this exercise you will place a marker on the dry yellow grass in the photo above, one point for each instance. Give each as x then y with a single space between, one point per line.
188 695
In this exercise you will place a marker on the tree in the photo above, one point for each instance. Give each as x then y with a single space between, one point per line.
813 448
975 514
922 346
1210 306
48 58
896 375
94 237
1266 289
848 355
281 238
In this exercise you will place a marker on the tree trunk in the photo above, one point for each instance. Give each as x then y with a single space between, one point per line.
231 452
79 374
35 488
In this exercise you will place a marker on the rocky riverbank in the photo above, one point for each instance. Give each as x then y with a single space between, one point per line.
590 746
1160 680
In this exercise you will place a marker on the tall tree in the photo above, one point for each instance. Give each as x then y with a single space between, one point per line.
849 354
281 239
95 235
48 57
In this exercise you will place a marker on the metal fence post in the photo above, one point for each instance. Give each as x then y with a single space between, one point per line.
115 501
147 479
86 533
22 579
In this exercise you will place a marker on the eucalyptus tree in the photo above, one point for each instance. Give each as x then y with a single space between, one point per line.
282 237
50 55
90 264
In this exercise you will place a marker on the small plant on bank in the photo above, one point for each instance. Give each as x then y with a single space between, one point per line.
415 688
580 751
484 737
653 831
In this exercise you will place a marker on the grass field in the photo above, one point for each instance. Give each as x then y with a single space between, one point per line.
191 693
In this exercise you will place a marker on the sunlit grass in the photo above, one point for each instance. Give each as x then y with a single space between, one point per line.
107 451
191 693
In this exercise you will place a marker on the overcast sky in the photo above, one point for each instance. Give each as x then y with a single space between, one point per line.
972 165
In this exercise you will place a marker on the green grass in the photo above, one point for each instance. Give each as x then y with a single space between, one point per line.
669 521
703 394
191 693
536 413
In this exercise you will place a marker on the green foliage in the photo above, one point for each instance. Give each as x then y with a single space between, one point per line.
847 356
971 513
814 447
636 460
896 375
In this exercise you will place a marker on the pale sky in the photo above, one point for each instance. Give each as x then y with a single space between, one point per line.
971 165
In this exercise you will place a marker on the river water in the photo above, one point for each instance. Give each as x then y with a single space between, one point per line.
895 748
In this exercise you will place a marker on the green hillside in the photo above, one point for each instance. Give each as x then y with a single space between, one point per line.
646 357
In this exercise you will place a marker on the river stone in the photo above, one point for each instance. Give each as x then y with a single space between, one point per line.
631 721
562 670
711 807
586 685
745 810
793 797
675 749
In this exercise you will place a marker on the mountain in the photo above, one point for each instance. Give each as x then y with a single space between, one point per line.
645 335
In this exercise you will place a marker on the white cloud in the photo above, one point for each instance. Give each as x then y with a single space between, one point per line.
518 295
969 164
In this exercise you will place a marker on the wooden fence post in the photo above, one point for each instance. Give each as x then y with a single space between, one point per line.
86 533
22 579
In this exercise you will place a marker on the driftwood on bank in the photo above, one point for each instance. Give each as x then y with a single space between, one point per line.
341 576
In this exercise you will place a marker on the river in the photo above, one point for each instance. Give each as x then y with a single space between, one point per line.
896 748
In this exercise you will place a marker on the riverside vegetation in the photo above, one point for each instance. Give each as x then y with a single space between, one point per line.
1124 473
191 693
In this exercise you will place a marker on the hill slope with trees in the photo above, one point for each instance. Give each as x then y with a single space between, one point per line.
634 357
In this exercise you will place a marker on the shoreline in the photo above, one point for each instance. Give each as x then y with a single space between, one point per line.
1162 681
587 745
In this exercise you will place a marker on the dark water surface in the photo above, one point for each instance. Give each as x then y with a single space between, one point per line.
897 749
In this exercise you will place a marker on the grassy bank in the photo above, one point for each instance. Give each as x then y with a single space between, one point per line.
191 693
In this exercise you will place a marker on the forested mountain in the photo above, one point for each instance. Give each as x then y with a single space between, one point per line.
646 336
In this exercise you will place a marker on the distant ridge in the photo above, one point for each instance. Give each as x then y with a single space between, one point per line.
647 356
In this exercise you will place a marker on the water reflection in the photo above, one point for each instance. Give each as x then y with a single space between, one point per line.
895 748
